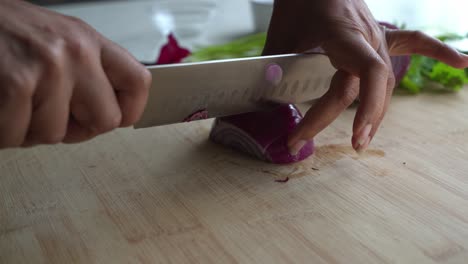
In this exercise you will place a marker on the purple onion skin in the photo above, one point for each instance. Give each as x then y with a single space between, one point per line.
268 129
400 64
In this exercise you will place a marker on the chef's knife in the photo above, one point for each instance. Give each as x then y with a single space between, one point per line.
233 86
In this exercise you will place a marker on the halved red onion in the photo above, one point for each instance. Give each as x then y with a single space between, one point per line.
263 135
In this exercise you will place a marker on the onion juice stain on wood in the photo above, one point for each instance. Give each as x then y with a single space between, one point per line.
324 156
337 152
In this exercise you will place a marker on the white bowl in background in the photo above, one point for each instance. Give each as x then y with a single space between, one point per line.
261 11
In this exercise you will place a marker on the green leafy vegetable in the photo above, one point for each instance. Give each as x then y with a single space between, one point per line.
450 37
414 80
429 74
432 75
248 46
449 77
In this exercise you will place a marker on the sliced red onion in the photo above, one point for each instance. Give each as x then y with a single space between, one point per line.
199 115
285 180
171 52
263 135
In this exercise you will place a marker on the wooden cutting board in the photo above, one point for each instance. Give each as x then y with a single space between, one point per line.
167 195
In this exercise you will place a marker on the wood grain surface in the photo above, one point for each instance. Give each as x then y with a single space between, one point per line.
168 195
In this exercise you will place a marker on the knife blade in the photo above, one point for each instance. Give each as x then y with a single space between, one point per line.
233 86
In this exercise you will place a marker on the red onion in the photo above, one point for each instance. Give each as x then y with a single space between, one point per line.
262 134
400 64
171 52
199 115
285 180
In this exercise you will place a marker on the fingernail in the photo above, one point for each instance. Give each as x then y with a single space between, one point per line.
364 146
364 136
294 150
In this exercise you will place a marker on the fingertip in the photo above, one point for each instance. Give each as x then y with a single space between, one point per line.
361 148
464 62
459 61
294 138
363 135
296 147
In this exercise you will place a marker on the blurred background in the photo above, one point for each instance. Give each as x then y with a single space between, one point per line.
142 25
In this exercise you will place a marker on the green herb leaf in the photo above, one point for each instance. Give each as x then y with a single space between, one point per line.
425 71
450 37
427 74
450 78
248 46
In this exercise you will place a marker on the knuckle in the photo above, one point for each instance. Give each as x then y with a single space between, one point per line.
79 41
54 54
375 109
19 85
416 35
147 79
379 68
140 79
108 123
76 21
379 65
78 48
347 96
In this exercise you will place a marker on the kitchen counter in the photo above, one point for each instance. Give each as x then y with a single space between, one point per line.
168 195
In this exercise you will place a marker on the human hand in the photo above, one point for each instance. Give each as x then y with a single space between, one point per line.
61 81
360 49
